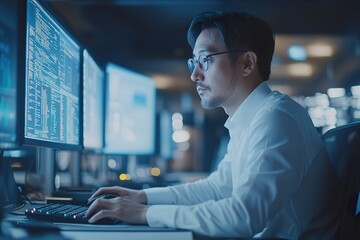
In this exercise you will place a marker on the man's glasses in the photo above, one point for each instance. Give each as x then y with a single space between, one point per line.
203 60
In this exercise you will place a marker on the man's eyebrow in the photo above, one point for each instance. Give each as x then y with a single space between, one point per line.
203 50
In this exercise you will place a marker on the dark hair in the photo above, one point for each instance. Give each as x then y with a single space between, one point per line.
238 30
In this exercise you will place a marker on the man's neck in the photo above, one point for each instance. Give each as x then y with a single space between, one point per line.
239 96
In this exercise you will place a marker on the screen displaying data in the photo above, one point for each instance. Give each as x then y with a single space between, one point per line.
93 81
8 73
52 85
130 112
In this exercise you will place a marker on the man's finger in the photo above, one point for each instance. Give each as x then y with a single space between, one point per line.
100 214
100 191
98 204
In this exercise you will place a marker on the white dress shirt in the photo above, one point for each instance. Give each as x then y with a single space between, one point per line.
274 181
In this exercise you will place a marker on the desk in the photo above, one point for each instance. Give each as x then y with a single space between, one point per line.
106 232
128 232
96 235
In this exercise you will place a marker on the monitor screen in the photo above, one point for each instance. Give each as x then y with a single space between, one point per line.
130 112
93 102
8 74
52 82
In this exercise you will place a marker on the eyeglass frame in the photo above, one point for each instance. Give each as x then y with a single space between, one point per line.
191 61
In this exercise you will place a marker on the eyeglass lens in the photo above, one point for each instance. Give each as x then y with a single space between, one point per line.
191 65
202 61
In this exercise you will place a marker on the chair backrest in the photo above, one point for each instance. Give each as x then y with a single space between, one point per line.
343 146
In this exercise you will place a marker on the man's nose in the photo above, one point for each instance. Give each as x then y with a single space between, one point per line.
197 74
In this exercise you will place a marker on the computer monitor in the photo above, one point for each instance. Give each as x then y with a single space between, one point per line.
8 74
130 112
93 103
52 82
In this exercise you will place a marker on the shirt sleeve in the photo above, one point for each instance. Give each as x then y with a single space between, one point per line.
217 186
269 173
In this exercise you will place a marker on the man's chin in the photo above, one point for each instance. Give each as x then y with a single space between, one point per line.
207 104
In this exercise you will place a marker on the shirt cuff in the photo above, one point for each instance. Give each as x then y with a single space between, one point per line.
161 216
160 195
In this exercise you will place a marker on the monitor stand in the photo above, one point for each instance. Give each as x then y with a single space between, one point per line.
45 158
132 167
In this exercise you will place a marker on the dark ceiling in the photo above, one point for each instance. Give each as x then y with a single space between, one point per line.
149 36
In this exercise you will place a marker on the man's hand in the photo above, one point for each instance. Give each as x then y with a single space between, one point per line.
121 208
137 196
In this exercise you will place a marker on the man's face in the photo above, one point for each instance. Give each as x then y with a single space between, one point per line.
216 85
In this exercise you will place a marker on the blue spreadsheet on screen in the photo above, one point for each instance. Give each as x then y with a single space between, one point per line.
52 80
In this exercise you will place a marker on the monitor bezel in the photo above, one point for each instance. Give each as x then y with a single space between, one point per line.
37 142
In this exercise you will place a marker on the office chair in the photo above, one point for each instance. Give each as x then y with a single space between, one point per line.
343 146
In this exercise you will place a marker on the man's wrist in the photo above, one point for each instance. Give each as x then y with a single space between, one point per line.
144 219
142 198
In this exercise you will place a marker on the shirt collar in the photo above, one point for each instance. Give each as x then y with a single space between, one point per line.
248 108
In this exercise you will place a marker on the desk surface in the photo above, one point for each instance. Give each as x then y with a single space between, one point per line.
128 232
96 232
96 235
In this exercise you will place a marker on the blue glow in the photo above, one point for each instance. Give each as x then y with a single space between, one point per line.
297 53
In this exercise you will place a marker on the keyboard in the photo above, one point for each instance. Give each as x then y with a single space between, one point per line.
65 213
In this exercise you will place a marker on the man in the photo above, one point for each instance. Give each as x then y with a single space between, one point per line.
274 181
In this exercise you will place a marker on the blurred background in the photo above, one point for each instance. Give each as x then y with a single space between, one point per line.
317 42
316 62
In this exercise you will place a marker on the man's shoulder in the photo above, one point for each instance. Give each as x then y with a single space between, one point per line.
279 101
280 109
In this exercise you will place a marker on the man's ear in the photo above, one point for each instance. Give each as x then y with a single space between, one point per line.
249 63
